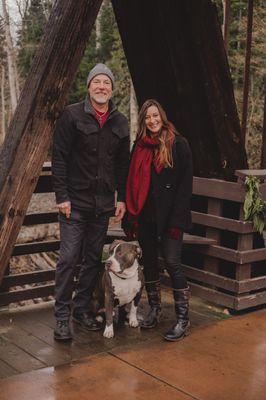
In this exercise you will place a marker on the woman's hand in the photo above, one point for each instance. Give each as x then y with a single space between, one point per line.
120 211
65 208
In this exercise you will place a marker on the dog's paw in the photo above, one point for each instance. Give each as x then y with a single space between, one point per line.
109 332
133 322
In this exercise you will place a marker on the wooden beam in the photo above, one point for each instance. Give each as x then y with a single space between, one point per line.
222 223
25 294
42 98
42 218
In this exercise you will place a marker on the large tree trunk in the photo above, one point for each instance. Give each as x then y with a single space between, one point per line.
43 96
11 61
263 144
176 55
133 113
3 108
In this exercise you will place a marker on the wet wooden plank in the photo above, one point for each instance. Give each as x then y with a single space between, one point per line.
98 377
30 332
6 370
216 362
18 359
39 330
34 346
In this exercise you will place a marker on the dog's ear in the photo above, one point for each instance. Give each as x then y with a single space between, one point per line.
139 251
115 243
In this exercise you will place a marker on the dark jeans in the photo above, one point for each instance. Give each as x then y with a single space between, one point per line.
82 236
170 249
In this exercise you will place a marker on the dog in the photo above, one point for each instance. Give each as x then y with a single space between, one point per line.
123 281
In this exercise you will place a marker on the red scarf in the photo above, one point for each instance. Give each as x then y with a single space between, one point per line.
139 177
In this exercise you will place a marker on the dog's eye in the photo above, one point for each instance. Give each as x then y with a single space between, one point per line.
118 253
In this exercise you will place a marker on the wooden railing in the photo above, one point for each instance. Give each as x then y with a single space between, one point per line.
231 272
221 261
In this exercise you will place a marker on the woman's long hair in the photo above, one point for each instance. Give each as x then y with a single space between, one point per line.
166 135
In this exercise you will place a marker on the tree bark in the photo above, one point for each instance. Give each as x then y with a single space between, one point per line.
226 21
133 113
263 144
98 29
11 61
43 96
3 108
176 55
247 70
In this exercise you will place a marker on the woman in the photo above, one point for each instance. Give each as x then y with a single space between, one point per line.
158 196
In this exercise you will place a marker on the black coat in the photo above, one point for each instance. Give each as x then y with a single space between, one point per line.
172 190
89 162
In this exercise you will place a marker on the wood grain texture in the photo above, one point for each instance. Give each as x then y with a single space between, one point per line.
42 98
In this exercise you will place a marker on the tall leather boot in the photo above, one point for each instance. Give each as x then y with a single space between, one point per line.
180 329
154 298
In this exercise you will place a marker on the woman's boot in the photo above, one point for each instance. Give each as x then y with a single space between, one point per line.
154 298
180 329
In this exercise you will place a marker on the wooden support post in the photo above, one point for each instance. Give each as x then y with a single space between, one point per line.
5 289
211 264
245 242
42 98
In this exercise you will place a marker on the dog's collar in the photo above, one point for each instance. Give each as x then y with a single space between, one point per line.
117 275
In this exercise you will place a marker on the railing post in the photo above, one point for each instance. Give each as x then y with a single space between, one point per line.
211 264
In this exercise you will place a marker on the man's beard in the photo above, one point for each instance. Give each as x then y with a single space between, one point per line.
100 99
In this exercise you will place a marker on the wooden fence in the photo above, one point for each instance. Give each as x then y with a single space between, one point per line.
221 260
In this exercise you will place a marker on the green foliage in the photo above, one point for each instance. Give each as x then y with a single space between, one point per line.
236 57
254 205
30 34
110 52
78 90
118 65
108 49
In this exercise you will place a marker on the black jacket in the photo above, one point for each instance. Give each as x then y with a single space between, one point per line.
172 190
89 162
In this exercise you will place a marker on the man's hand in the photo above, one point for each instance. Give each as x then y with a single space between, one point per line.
65 208
120 211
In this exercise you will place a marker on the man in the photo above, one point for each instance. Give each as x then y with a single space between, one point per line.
90 161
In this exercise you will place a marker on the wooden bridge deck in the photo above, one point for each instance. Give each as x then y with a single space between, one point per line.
220 360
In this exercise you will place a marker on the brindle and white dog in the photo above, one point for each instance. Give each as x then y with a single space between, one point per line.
123 282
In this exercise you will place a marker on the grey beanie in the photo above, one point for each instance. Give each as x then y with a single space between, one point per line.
100 69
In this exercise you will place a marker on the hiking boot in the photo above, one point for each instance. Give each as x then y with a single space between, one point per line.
62 331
